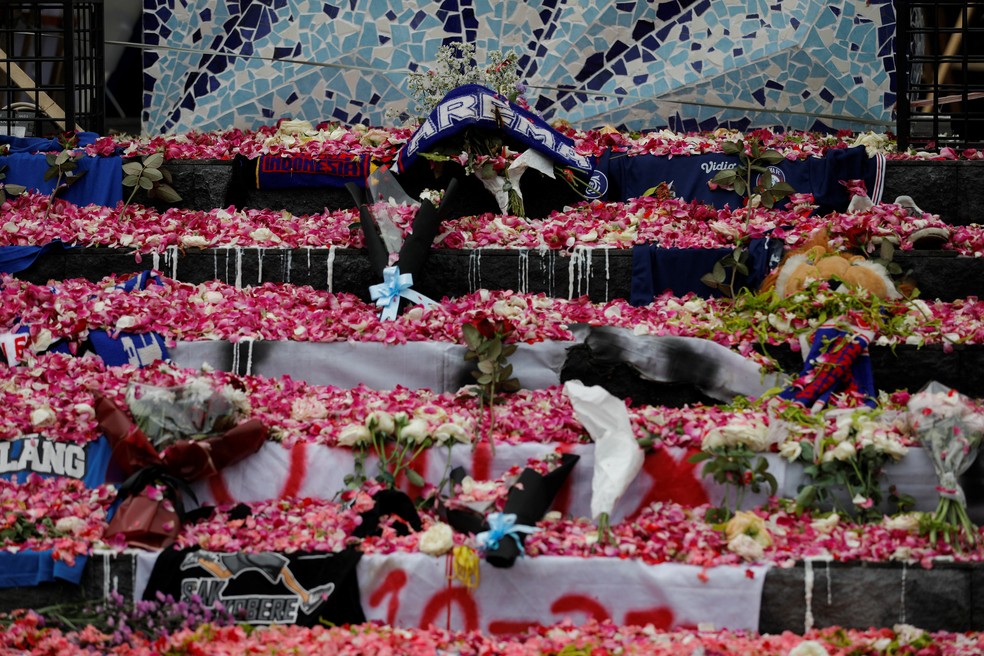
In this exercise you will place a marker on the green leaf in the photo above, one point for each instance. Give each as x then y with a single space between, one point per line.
708 279
509 350
732 148
14 189
167 193
495 349
511 385
51 173
473 338
51 159
154 161
807 496
740 187
484 379
486 366
718 273
153 175
782 189
771 157
146 184
414 478
133 168
725 178
63 157
887 250
130 180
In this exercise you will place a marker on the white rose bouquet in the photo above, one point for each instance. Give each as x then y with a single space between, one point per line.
946 423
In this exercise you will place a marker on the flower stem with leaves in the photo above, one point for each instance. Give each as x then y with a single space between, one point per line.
485 339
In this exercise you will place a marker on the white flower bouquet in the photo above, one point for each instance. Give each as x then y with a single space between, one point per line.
946 423
191 411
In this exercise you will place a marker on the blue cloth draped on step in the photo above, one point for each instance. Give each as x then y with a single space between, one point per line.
619 177
31 568
656 270
26 165
18 258
88 463
102 183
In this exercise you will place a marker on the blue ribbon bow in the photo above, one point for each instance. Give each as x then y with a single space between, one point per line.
502 525
395 285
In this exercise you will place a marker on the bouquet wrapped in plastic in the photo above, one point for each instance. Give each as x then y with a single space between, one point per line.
148 516
948 425
169 414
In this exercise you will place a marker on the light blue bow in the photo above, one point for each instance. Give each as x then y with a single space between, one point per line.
500 526
395 285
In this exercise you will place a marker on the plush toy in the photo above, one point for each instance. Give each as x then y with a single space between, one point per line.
817 260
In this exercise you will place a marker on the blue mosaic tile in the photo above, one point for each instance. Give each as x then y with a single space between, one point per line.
650 49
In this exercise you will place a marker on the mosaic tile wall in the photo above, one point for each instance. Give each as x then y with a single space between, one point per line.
686 64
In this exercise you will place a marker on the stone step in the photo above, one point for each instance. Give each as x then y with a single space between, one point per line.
950 189
602 274
813 594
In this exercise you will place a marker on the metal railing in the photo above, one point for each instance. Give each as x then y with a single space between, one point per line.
51 67
939 54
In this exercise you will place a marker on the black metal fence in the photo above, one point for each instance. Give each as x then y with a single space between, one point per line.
939 51
51 67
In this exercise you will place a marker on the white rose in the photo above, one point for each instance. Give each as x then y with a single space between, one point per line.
825 525
42 416
295 126
303 409
746 546
451 432
125 322
908 522
42 340
436 540
194 241
84 409
264 234
790 450
73 525
415 431
382 420
844 451
808 648
354 435
714 439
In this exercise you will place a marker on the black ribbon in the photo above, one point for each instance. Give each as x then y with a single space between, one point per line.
140 479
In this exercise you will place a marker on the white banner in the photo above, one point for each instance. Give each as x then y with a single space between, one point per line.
413 590
318 471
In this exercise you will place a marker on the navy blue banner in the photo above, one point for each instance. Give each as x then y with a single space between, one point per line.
620 177
656 270
275 172
35 454
140 349
475 105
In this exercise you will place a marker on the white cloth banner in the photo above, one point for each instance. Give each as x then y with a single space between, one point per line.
437 366
413 590
317 471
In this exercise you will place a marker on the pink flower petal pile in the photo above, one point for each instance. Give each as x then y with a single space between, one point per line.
671 223
28 635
